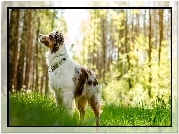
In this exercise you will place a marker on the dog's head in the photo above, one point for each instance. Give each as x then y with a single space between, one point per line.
53 40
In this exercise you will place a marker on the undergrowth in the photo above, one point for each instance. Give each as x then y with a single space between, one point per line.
35 109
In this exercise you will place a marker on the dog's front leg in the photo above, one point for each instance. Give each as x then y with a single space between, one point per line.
58 99
68 101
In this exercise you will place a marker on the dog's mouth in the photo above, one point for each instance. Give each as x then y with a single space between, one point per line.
45 42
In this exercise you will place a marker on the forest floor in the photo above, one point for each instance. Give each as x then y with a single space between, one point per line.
35 109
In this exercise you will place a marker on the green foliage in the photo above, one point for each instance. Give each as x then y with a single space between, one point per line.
128 116
139 74
33 109
115 91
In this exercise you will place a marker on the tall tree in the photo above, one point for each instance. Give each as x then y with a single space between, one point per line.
28 49
150 48
13 47
138 22
36 57
144 22
161 33
127 48
23 41
104 47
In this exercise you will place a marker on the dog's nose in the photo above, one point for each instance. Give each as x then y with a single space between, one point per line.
40 35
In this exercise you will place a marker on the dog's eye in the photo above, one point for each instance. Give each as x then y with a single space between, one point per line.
50 36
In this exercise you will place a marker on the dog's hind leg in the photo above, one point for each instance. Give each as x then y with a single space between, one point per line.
81 103
94 103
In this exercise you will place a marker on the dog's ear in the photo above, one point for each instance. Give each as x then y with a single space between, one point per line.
58 38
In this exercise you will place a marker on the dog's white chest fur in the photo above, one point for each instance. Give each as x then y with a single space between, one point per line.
61 77
58 81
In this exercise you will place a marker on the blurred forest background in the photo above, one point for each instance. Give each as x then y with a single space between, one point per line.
128 49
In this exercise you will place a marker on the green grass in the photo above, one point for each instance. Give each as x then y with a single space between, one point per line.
39 110
128 116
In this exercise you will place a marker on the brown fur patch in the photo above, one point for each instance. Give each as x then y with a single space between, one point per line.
95 82
79 80
58 41
90 82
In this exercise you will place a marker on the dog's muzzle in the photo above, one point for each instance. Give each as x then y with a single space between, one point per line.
40 37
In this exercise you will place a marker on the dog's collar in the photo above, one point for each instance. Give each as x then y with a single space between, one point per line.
57 64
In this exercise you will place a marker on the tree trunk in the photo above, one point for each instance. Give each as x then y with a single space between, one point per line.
30 83
149 51
13 48
20 70
103 61
94 44
144 32
156 26
138 24
46 82
37 57
127 49
42 82
28 49
97 51
53 16
83 50
161 33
